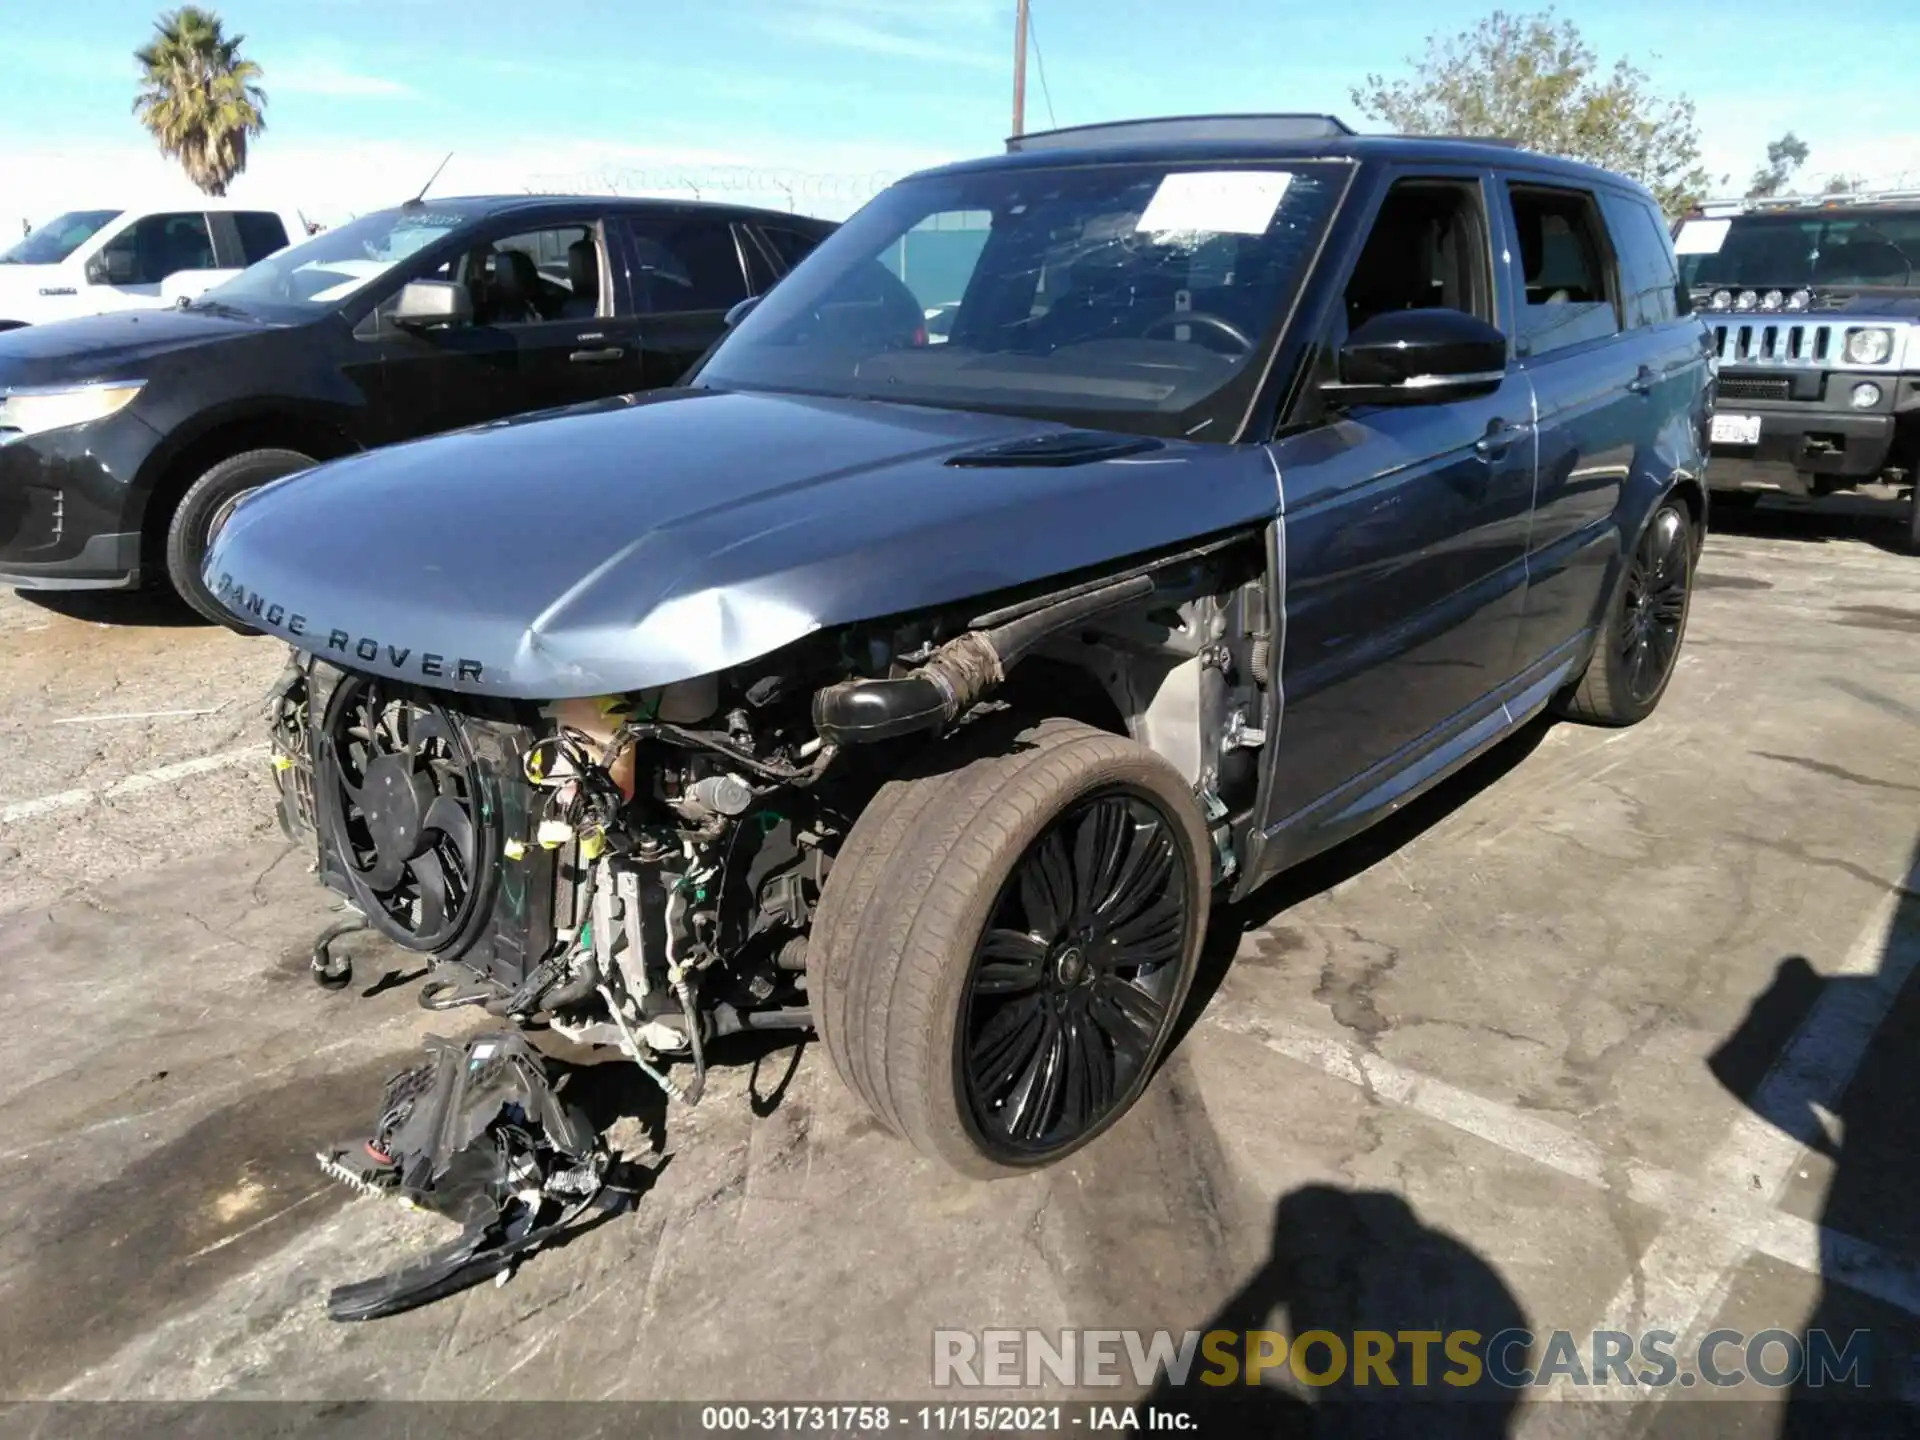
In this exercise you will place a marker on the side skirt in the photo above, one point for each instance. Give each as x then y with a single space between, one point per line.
1388 786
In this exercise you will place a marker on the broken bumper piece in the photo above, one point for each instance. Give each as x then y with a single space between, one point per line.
476 1133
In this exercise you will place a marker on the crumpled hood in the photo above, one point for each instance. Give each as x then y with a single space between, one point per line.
116 346
629 544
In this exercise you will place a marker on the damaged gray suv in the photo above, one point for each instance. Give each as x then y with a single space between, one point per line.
926 689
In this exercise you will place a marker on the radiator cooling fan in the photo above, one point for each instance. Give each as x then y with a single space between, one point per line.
407 811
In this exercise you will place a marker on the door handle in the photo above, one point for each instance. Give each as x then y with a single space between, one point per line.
603 356
1642 382
1499 438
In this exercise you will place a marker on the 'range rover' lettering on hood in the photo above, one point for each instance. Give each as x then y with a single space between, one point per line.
635 543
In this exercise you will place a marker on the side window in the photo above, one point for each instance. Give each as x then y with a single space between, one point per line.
1566 270
687 263
763 268
1650 276
156 246
790 245
1427 250
535 276
1666 296
261 233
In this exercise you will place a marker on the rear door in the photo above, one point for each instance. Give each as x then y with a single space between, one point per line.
1406 529
686 269
1596 374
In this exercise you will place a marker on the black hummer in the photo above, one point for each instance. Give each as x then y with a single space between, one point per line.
1815 309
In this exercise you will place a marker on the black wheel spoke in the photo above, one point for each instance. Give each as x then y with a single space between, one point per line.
1097 854
1010 963
1046 886
1005 1045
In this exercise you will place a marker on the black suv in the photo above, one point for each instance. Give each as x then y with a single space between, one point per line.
1815 307
926 683
124 438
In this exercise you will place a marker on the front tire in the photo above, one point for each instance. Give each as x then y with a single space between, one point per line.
206 503
1646 621
1003 949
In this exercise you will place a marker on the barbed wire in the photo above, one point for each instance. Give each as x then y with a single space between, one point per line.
781 188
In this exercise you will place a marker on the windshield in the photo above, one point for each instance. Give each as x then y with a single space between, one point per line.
334 264
58 238
1787 251
1129 296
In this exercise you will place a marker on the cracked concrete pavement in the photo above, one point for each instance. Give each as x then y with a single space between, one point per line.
1482 1033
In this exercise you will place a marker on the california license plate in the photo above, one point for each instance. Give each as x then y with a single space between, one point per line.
1736 429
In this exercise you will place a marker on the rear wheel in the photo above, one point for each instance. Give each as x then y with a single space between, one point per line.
201 512
1913 521
1640 638
1003 949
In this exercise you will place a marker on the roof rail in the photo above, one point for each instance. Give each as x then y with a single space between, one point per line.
1503 141
1182 127
1744 204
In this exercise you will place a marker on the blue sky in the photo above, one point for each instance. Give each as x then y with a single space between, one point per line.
828 97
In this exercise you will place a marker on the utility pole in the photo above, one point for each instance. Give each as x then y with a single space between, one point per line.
1020 69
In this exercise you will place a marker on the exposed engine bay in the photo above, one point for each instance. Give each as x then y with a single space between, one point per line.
641 871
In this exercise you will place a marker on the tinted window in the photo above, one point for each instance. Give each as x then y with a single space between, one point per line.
58 238
1568 290
1650 279
261 233
163 245
685 264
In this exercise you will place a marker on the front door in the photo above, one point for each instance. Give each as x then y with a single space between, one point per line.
133 264
579 339
1405 537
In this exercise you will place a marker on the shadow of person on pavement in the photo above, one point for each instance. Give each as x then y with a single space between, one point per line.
1352 1263
1832 1061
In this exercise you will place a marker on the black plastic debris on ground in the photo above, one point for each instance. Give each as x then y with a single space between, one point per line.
477 1133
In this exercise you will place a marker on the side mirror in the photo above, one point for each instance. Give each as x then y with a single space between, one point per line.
422 304
1419 357
111 267
740 311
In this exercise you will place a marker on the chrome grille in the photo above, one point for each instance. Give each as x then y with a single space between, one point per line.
1773 342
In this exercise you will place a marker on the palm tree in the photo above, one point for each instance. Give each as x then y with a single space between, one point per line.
198 98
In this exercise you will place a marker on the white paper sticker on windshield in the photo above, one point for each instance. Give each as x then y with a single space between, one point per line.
1701 237
1226 202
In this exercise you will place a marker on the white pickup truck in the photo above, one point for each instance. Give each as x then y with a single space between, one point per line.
88 261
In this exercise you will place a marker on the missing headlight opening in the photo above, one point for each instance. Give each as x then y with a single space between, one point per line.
640 875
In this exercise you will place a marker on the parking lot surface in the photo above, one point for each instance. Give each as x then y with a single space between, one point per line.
1613 1031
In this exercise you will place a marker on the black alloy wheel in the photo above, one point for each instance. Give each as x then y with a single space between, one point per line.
402 802
1005 942
1073 983
1638 648
1655 605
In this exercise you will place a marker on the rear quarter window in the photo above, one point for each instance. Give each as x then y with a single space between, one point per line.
1651 291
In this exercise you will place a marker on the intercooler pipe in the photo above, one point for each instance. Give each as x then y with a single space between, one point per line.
960 673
